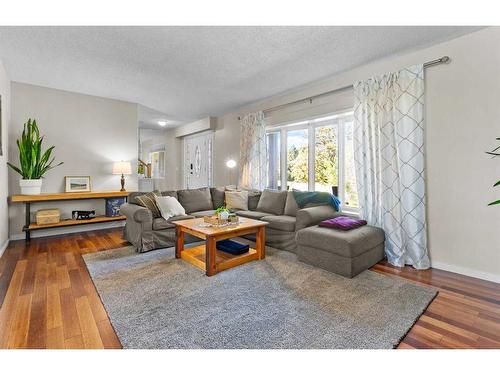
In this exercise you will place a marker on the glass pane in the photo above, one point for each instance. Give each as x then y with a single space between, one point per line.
351 192
273 152
297 159
326 166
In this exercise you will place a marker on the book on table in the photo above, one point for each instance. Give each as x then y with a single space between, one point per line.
232 247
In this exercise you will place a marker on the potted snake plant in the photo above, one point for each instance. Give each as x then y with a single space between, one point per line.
33 163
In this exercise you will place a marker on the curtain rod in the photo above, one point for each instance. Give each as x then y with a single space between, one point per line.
442 60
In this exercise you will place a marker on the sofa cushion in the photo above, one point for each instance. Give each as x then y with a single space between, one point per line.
237 200
281 222
160 223
272 201
170 193
253 199
148 200
252 214
291 206
132 197
347 244
194 200
181 217
218 195
203 213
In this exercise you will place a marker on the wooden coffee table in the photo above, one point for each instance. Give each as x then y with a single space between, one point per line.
207 257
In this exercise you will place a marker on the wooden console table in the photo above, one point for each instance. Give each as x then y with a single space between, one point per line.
29 199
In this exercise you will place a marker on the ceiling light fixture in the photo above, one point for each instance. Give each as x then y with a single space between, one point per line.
162 123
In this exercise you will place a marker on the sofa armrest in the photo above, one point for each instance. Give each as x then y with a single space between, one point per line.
137 214
307 217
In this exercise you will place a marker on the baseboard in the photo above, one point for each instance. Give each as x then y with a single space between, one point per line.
68 230
467 272
4 247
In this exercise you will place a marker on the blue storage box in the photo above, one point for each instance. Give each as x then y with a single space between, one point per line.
113 206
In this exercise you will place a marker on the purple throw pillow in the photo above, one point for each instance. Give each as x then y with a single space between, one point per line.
343 223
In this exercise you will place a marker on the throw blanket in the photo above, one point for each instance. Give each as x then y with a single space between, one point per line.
317 197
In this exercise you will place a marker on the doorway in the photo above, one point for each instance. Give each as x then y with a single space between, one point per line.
198 160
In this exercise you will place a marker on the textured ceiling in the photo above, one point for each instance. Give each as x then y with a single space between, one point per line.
188 73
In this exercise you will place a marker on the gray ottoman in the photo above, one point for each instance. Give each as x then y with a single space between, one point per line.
346 253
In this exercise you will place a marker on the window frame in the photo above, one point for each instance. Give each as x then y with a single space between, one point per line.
338 119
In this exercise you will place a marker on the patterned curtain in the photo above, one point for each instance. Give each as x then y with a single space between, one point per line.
389 160
253 152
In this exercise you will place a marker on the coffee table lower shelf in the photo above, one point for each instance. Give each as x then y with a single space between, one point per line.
196 256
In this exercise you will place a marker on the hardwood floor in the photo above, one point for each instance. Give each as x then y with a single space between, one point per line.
49 301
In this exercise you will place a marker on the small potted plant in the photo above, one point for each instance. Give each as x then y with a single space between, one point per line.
222 213
33 163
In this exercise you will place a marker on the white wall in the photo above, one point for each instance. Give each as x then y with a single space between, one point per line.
90 133
462 120
4 214
198 126
173 165
173 154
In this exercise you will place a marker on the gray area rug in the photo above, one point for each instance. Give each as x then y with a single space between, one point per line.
156 301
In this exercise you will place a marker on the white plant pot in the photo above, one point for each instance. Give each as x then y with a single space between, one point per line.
31 187
224 215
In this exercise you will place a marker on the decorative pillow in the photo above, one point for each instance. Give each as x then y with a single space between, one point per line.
272 201
169 207
149 201
237 200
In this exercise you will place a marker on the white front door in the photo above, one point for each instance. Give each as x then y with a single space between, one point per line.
198 156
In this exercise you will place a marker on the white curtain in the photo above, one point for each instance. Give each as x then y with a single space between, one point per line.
389 160
253 152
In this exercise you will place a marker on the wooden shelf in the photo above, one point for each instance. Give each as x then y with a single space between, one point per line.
196 256
68 196
70 222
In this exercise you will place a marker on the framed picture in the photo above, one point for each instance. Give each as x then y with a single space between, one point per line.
77 184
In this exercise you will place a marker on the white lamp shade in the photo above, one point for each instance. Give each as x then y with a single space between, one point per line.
122 167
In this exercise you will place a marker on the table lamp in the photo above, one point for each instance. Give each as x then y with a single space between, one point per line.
123 168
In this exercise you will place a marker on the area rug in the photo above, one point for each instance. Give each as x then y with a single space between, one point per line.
156 301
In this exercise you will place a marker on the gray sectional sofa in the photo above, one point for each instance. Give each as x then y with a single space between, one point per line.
278 208
290 228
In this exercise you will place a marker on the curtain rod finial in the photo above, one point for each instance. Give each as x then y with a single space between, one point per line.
445 59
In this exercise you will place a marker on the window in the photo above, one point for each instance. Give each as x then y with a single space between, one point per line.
297 143
315 155
326 171
273 150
